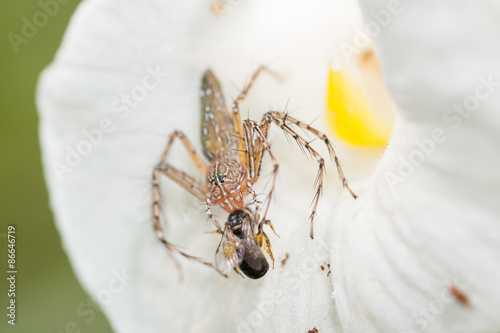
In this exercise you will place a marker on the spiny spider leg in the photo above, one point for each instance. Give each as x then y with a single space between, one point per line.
157 222
279 118
259 149
185 181
254 196
198 161
189 183
253 127
255 154
285 117
237 123
208 210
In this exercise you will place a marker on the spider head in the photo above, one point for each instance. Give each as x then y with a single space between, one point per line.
219 175
227 183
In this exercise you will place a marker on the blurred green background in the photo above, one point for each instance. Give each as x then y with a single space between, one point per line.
48 293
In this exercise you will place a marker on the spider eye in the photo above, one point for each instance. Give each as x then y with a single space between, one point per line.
217 178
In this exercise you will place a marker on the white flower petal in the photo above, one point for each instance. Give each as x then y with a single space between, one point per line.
398 249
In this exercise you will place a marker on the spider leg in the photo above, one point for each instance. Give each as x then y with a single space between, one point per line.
249 152
253 127
237 123
198 161
208 210
186 181
189 184
259 149
281 118
254 197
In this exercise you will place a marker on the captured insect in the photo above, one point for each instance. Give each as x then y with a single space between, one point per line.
235 150
239 246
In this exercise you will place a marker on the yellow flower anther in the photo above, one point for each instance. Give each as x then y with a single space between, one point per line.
359 110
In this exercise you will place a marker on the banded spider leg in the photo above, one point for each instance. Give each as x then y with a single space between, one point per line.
187 182
283 120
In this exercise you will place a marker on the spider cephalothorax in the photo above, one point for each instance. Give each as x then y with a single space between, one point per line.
227 183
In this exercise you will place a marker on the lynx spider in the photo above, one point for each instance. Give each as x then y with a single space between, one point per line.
235 150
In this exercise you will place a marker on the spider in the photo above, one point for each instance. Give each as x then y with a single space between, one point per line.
235 150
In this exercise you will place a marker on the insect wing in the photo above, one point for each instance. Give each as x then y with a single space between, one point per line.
230 252
249 241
